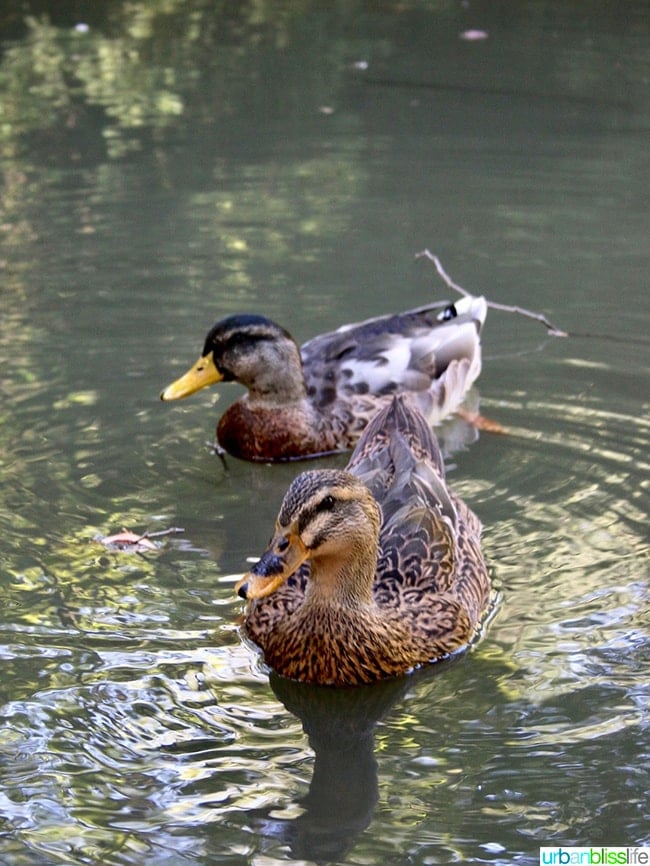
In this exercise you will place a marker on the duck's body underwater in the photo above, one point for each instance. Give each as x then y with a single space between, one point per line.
373 570
318 399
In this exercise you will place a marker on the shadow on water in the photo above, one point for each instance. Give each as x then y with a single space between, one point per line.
510 92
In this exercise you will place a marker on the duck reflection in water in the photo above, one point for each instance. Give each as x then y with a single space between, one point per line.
344 790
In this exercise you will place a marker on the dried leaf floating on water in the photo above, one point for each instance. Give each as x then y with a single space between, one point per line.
132 542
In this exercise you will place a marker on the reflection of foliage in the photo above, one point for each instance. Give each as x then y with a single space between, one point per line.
131 91
50 75
142 76
35 90
289 221
156 62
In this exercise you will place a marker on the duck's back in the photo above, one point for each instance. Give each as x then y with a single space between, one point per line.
430 539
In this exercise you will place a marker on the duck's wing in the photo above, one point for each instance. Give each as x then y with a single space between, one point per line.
408 351
397 437
430 562
398 458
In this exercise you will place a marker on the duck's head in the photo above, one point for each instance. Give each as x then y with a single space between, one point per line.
329 517
244 348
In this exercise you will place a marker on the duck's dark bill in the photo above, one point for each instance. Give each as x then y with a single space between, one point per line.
202 374
283 557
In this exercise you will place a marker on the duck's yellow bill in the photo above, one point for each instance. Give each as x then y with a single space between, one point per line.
202 374
284 555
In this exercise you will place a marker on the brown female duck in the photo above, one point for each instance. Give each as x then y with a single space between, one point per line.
373 570
318 399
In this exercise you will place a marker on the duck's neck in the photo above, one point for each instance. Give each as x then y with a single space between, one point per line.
343 582
278 377
290 389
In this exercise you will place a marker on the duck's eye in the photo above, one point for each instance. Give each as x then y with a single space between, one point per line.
448 313
327 503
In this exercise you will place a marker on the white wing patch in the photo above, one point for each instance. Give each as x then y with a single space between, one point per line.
391 365
409 362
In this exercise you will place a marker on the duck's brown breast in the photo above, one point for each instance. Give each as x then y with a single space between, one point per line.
274 433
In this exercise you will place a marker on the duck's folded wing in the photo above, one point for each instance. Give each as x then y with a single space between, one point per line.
417 555
407 351
397 437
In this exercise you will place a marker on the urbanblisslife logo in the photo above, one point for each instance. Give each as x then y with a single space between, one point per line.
608 855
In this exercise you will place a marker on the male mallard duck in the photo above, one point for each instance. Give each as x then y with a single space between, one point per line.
372 570
318 399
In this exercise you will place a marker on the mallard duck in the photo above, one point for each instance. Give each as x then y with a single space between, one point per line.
373 570
317 399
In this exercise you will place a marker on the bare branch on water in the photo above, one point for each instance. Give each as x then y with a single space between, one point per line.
494 305
173 530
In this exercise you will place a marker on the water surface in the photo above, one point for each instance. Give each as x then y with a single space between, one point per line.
165 166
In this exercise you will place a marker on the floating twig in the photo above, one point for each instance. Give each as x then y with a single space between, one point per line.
494 305
173 530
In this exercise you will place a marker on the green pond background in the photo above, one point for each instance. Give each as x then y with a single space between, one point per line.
163 164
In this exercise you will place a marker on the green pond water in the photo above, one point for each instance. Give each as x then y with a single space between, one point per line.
165 164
